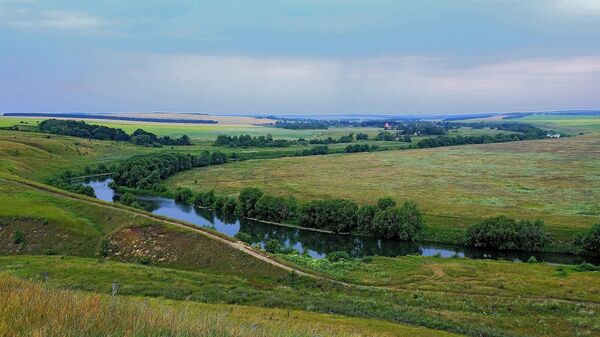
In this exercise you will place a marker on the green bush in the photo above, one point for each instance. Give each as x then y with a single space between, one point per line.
591 239
385 203
183 194
18 237
273 246
247 201
338 256
205 199
506 233
244 237
403 223
128 199
276 209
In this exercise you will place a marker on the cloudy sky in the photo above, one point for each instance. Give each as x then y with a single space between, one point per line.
300 57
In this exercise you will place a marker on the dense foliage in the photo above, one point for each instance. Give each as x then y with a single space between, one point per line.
315 151
83 130
336 215
462 140
591 239
249 141
312 125
146 171
506 233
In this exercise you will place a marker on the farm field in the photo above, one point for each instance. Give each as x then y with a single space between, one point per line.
573 123
554 180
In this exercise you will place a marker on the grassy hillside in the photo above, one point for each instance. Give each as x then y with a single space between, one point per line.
32 309
54 224
554 180
430 294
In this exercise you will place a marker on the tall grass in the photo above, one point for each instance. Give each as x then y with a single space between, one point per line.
31 309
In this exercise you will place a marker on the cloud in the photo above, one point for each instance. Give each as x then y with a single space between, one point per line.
577 7
243 84
59 20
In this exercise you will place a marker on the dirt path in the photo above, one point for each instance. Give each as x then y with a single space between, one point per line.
438 272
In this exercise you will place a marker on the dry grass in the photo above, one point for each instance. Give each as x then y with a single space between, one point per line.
32 309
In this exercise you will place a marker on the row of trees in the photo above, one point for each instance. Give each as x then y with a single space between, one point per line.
388 136
507 234
384 220
462 140
249 141
83 130
361 148
146 171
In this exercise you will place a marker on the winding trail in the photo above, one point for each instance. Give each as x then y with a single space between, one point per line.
261 256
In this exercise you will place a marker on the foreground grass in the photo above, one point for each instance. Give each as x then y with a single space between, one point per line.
498 278
553 180
32 309
531 310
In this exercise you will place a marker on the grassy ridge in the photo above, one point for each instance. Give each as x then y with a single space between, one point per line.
551 180
28 308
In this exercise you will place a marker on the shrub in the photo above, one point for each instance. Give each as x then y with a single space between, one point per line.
18 237
591 240
244 237
506 233
531 235
498 233
385 203
273 246
403 223
128 199
338 256
336 215
205 199
183 194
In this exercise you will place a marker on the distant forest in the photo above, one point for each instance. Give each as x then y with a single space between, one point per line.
83 130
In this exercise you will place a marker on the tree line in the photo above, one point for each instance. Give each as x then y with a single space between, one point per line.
146 171
384 220
505 233
249 141
441 141
84 130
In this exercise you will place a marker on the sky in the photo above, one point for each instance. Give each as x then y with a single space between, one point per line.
299 57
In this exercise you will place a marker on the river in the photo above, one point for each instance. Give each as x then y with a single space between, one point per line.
319 244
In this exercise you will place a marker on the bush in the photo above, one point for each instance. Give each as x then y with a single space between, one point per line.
506 233
244 237
403 223
273 246
18 237
183 194
385 203
591 240
338 256
128 199
205 199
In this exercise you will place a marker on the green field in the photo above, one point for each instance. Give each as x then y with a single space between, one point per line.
555 180
567 122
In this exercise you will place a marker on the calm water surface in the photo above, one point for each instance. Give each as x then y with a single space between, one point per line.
318 244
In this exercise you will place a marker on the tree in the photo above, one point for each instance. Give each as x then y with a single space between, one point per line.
531 235
364 219
247 201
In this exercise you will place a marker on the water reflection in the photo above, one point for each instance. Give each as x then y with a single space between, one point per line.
318 244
